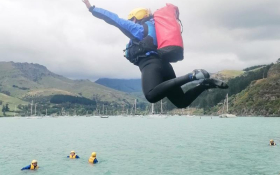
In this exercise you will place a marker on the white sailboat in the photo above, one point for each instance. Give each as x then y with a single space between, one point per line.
153 112
134 112
104 116
46 115
154 115
33 116
15 111
188 113
226 115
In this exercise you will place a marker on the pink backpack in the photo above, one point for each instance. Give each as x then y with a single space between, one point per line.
168 31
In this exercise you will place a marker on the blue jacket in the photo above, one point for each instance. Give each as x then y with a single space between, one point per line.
95 161
132 30
77 157
136 32
26 168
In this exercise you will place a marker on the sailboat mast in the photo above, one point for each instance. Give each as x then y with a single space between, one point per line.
135 106
31 108
227 103
153 108
131 111
161 110
35 109
15 111
224 106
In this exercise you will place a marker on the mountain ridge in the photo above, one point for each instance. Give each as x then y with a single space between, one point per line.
27 81
252 92
125 85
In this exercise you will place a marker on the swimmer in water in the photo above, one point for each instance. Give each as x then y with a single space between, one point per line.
158 77
32 166
272 143
73 155
93 158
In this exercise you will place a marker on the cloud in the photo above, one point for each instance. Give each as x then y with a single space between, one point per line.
66 38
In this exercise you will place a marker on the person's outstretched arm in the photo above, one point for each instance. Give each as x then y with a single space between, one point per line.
26 168
130 29
87 3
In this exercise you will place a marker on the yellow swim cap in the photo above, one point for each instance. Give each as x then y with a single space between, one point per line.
34 161
271 140
139 13
72 152
93 154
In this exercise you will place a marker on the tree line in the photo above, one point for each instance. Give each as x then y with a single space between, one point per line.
5 108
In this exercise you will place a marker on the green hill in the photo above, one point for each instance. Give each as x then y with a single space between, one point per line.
28 82
13 102
254 91
227 74
261 97
211 100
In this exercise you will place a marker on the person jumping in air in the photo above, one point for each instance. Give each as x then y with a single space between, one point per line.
143 50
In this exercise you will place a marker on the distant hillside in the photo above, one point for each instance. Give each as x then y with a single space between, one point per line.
260 97
132 85
4 99
227 74
28 82
254 91
212 97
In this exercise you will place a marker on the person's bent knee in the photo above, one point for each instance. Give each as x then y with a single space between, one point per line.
151 99
181 105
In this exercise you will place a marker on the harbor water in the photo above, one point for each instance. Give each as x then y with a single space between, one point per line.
141 145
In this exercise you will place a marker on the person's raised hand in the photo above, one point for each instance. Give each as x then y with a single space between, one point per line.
87 3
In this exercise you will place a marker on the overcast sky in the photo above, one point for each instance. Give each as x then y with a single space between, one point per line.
63 36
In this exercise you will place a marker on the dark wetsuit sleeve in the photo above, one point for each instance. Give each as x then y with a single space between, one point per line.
77 157
95 161
130 29
26 168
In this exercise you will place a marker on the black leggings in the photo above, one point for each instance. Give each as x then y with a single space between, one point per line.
159 81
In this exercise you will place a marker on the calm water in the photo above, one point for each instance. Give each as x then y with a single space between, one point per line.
175 145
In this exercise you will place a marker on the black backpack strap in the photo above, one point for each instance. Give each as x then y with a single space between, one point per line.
145 29
182 27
